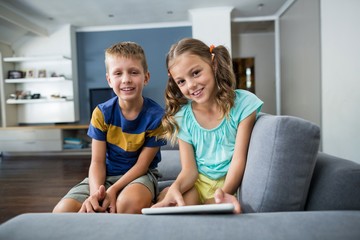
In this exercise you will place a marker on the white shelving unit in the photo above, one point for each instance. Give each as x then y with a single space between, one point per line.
56 90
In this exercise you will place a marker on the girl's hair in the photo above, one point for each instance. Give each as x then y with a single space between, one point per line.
219 59
126 50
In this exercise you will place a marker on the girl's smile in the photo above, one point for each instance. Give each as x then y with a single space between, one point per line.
194 77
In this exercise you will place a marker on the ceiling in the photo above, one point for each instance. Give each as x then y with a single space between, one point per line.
41 17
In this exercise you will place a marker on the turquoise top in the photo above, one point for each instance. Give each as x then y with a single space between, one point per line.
214 148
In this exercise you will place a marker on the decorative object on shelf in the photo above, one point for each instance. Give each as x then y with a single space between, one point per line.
30 73
20 94
15 74
73 143
55 95
42 73
36 96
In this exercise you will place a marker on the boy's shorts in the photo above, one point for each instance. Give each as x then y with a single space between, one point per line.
206 187
81 191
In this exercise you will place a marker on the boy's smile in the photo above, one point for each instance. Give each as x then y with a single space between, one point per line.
126 77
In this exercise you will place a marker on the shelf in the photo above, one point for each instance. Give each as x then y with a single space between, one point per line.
38 58
34 80
40 100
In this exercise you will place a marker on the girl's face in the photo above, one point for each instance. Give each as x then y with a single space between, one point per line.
194 77
126 77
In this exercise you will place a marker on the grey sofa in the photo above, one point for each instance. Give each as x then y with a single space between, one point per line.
290 190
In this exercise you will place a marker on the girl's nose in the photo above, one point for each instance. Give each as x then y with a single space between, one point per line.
191 83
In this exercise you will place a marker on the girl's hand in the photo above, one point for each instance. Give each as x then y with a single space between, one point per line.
173 197
222 197
93 202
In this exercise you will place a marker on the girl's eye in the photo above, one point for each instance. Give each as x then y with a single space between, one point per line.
180 82
196 73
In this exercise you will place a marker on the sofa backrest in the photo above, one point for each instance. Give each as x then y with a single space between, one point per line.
280 164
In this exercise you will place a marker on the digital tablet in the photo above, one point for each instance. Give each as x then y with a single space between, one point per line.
192 209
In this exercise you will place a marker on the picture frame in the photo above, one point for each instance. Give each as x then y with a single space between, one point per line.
30 73
42 73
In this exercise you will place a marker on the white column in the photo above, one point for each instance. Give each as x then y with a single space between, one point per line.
212 25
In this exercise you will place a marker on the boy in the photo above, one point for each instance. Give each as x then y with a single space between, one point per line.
125 147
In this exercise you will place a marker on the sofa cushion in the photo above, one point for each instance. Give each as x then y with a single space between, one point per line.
281 159
170 166
335 184
329 225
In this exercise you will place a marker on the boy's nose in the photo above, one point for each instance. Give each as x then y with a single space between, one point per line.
126 78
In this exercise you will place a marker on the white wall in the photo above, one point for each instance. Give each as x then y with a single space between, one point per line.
5 51
205 20
59 43
340 48
261 46
300 61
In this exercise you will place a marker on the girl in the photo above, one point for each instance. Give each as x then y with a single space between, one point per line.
212 122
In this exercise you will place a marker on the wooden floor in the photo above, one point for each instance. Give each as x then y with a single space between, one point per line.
37 183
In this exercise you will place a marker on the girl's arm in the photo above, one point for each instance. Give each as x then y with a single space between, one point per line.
237 165
185 180
189 173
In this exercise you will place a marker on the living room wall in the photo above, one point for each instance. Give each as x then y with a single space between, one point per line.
320 70
91 68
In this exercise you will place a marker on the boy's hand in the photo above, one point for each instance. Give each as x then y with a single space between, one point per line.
109 202
222 197
92 203
173 197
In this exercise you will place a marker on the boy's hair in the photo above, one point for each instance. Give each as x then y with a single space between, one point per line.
127 50
220 61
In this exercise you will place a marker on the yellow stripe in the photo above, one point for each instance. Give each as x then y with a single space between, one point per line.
97 120
156 132
126 141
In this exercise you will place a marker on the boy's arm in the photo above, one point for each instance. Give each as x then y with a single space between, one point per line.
97 175
237 165
140 168
97 170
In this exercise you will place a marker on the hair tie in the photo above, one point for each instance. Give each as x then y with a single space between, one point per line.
211 51
211 48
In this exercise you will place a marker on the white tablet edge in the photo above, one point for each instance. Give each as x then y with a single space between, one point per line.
206 208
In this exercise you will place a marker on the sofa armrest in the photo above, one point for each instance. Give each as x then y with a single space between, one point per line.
335 184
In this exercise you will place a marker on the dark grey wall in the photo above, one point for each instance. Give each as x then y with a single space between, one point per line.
91 68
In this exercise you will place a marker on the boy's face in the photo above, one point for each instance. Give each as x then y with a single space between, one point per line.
126 77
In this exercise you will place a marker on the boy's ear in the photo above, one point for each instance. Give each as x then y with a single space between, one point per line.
108 79
147 78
